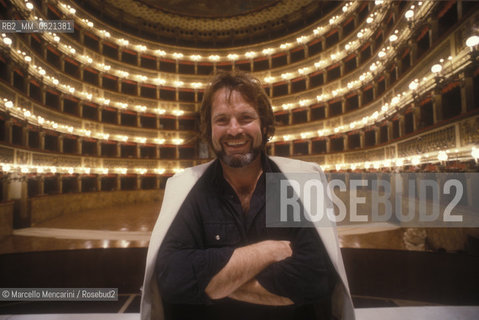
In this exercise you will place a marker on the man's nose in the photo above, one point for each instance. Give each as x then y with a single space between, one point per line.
234 127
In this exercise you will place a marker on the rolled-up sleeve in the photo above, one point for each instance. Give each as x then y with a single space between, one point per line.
184 268
307 276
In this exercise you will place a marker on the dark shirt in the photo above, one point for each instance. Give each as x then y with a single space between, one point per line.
210 224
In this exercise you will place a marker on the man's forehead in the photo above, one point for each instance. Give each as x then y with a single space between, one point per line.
227 97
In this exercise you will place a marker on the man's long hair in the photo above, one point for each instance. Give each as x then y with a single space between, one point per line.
250 89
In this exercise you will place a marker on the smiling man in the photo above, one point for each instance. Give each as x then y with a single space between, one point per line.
211 255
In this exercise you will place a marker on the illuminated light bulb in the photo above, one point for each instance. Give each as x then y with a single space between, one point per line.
250 54
301 39
416 160
72 50
338 167
436 68
72 10
55 81
269 79
196 85
56 38
472 41
29 6
393 38
399 162
9 104
177 55
90 24
141 47
413 85
268 51
409 14
160 52
159 141
381 54
369 20
287 137
177 141
28 58
387 163
373 67
42 72
160 111
376 165
178 112
475 153
360 34
53 169
367 165
378 2
6 168
122 170
7 41
178 83
395 100
141 170
104 170
214 57
40 170
353 166
159 170
87 170
70 170
195 57
177 170
232 56
442 156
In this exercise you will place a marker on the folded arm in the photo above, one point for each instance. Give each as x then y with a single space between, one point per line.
245 263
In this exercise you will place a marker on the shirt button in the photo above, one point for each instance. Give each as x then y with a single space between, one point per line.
218 237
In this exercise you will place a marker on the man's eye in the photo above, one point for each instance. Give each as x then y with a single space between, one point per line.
220 120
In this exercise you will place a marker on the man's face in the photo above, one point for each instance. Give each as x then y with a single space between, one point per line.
235 129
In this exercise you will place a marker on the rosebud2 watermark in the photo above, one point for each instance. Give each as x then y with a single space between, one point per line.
410 200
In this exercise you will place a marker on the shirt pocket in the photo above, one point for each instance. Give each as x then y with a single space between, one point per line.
221 234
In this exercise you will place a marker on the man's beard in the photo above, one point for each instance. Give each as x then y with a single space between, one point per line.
238 160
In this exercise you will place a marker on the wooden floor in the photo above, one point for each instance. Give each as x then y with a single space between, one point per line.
130 227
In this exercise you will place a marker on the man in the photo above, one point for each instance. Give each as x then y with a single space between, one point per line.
211 255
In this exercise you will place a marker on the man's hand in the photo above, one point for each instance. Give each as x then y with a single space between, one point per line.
253 292
245 263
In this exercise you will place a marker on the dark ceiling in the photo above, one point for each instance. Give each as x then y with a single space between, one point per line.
208 23
209 8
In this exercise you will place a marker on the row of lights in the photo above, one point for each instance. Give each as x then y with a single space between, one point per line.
41 73
302 103
160 111
267 51
27 115
72 52
28 169
397 102
433 157
385 55
442 156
